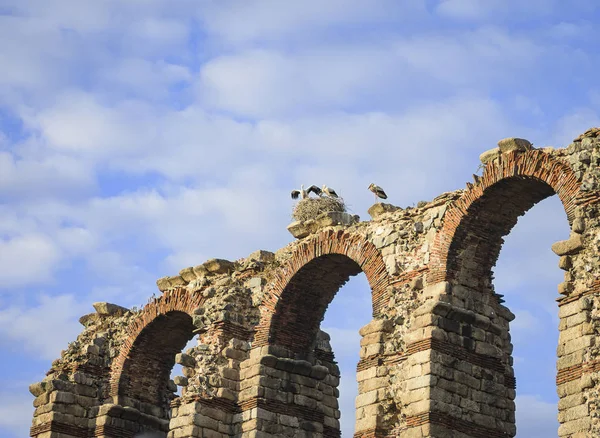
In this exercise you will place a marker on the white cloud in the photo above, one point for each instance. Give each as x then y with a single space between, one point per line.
16 411
244 23
573 123
142 77
27 259
270 83
42 330
518 11
80 124
466 9
536 418
234 184
277 82
157 34
76 241
33 57
484 57
36 177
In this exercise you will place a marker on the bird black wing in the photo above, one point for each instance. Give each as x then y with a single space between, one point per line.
317 191
379 191
295 194
333 193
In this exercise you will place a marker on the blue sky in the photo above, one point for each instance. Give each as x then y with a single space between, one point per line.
141 137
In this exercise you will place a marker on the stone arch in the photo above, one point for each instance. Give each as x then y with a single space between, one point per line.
471 322
296 381
141 370
296 301
469 242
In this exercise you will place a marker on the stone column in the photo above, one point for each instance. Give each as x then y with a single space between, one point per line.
373 380
282 396
62 405
467 383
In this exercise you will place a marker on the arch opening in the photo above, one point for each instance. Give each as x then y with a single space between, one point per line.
349 311
140 381
305 299
479 238
526 275
146 372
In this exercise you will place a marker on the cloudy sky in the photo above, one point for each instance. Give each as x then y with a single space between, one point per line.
141 137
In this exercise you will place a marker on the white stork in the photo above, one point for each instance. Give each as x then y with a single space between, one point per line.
378 191
329 191
303 194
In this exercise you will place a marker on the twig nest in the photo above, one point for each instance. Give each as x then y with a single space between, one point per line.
310 208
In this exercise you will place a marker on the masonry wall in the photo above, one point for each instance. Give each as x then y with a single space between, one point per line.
435 361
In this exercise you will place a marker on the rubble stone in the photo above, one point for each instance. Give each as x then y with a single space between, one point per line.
380 208
108 309
489 155
514 144
568 247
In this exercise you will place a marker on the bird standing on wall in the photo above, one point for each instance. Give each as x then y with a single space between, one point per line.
329 191
303 194
378 191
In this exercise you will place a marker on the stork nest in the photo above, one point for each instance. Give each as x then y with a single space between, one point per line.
310 208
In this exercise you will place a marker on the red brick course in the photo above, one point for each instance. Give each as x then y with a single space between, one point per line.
160 331
471 235
297 298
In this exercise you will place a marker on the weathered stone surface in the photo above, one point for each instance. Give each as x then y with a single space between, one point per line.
578 225
565 263
514 144
565 288
218 266
300 229
327 219
489 155
262 256
200 270
163 284
332 218
180 381
176 281
380 208
185 359
187 274
377 325
568 247
88 319
37 389
109 309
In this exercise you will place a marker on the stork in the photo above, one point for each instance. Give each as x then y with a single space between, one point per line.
378 191
303 194
329 191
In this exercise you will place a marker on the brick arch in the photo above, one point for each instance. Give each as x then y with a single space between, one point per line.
469 242
296 300
162 329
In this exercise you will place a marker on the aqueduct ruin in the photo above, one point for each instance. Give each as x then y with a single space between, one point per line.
435 360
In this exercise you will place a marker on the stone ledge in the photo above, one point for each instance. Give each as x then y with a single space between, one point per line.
109 309
378 209
300 229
